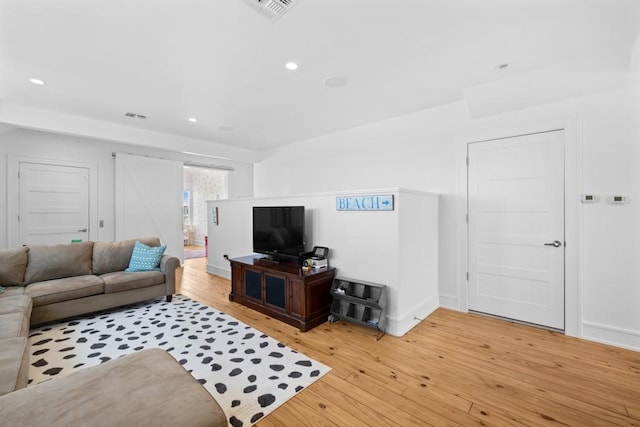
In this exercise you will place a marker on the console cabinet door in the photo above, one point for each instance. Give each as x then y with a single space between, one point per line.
253 284
275 291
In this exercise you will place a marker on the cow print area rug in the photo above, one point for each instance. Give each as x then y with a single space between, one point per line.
249 373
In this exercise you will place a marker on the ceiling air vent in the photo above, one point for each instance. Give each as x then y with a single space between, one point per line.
274 9
135 115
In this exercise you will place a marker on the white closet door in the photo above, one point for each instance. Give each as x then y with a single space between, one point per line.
516 228
54 203
148 200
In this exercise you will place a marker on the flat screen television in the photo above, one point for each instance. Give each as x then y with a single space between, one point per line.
278 231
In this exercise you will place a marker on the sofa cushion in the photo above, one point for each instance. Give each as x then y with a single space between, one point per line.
13 325
15 315
15 304
122 281
52 291
13 263
58 261
11 291
115 256
146 388
145 258
14 364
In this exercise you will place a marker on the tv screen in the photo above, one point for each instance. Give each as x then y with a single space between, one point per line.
278 231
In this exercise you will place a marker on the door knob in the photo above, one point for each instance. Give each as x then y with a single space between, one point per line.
555 244
83 230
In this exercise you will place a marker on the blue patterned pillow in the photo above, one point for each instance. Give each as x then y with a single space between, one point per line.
146 258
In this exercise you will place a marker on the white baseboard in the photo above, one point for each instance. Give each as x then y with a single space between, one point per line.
399 326
449 301
610 335
219 271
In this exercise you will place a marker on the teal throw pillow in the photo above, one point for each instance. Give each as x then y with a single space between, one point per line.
146 258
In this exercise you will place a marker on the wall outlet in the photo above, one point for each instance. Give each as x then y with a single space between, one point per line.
590 198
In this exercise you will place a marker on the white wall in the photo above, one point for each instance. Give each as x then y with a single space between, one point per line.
27 143
397 248
415 151
422 151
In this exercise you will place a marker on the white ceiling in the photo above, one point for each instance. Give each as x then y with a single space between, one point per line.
223 62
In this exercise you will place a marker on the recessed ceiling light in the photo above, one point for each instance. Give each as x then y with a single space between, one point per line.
291 66
192 119
335 81
37 82
502 66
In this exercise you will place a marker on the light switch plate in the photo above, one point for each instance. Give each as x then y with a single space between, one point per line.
590 198
618 199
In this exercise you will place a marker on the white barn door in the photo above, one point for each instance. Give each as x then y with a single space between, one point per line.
148 200
516 228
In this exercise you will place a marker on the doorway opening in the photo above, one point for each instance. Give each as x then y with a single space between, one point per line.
200 185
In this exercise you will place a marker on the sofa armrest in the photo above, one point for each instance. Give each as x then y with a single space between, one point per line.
168 265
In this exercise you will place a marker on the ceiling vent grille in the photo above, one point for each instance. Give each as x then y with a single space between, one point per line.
274 9
134 115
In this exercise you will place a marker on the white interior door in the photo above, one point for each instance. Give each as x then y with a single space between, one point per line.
516 228
148 199
53 203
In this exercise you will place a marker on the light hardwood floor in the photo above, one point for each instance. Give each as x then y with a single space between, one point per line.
452 369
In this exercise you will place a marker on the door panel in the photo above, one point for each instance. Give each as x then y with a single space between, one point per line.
148 200
53 203
516 205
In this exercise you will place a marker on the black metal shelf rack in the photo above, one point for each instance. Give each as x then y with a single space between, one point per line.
364 303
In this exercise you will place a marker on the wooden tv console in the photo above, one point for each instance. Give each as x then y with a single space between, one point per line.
282 290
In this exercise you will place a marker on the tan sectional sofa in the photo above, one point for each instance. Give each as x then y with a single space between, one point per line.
46 283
